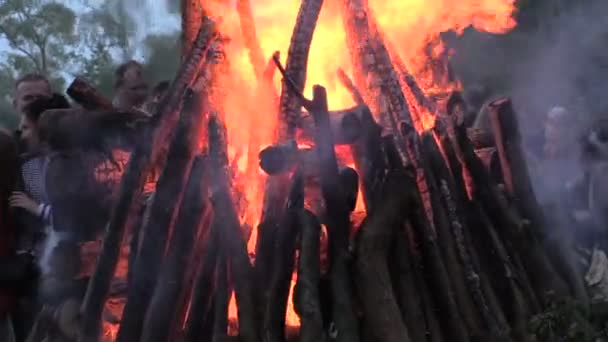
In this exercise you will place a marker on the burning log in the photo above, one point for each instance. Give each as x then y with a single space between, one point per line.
338 221
345 125
243 7
159 226
381 312
192 16
306 292
348 84
518 183
127 205
161 313
230 234
276 306
296 65
87 96
283 158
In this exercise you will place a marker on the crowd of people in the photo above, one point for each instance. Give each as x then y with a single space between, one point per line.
55 198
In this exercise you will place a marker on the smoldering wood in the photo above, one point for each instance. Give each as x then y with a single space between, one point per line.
338 225
345 125
158 228
230 234
480 138
306 292
87 96
127 204
283 266
161 317
297 64
519 184
380 310
192 16
350 183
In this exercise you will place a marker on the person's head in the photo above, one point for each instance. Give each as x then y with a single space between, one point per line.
560 131
29 88
28 127
130 85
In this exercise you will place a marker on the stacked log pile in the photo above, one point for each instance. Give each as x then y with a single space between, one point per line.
445 252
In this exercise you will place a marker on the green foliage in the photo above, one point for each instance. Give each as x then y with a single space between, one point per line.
564 321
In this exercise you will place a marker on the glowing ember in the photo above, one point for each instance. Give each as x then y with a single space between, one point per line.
412 26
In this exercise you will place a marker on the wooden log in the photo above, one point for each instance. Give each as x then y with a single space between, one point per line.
221 300
352 89
296 65
248 30
280 282
458 240
368 158
518 183
380 310
547 283
306 293
343 312
87 96
230 234
192 15
345 125
159 226
127 204
201 315
160 317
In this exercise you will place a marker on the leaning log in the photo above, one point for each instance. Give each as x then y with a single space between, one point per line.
200 316
192 15
163 305
518 182
516 230
87 96
230 233
283 266
380 310
297 64
159 226
338 225
350 86
306 292
256 57
127 204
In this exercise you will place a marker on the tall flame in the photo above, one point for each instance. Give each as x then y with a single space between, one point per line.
412 27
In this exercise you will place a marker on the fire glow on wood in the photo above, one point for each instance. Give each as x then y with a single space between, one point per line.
411 26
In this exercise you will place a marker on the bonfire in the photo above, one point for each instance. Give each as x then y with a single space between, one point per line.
320 185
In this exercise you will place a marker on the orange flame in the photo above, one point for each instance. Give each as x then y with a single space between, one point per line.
413 26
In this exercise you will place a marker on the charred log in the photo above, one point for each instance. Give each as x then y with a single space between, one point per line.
127 205
306 293
201 313
230 234
276 306
221 300
87 96
163 305
338 221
